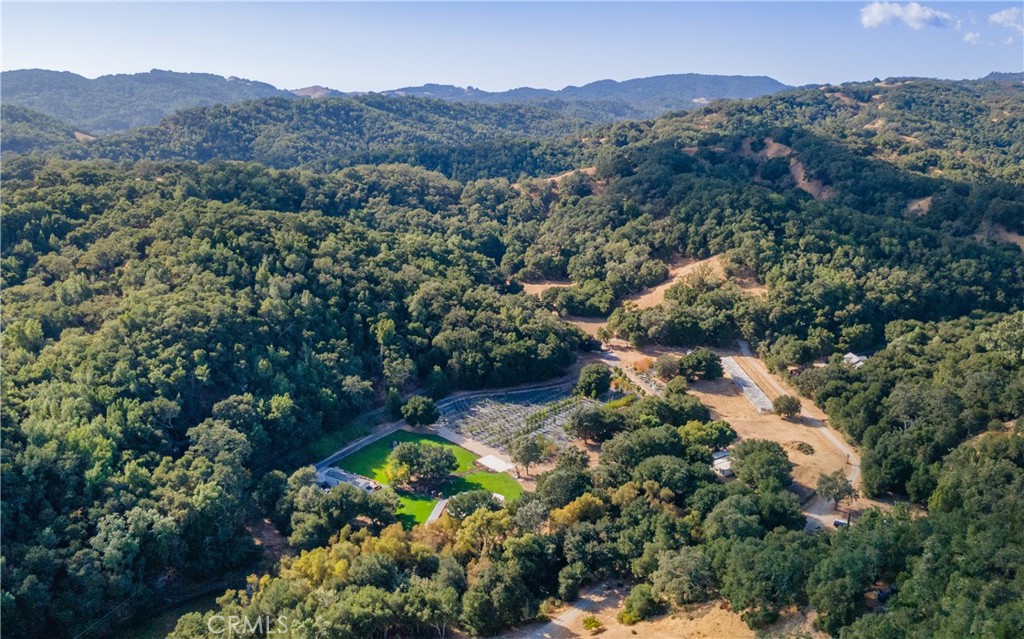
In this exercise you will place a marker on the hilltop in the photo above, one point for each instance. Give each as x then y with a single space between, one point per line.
115 103
120 102
607 100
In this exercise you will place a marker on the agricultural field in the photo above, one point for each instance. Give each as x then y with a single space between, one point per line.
497 420
415 508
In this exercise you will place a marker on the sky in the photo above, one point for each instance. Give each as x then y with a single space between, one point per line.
497 45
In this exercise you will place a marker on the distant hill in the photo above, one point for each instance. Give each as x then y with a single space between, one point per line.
24 130
611 100
331 132
116 103
113 103
1001 76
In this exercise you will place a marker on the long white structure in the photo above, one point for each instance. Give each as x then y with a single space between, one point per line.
493 463
750 389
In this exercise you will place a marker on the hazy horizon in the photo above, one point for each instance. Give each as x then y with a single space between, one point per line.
364 47
470 86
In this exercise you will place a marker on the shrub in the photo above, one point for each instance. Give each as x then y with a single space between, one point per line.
805 448
595 380
640 604
570 579
420 411
786 405
666 367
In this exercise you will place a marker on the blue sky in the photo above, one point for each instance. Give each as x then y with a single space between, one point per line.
496 45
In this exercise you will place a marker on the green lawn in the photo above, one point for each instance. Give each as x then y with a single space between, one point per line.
371 460
414 509
501 483
332 441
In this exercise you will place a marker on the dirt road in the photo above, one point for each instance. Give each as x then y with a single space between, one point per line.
820 512
829 451
703 621
592 600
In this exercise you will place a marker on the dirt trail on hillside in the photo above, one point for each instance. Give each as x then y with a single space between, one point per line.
678 270
714 266
772 150
1004 234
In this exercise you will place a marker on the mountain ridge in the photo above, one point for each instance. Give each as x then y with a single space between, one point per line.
120 102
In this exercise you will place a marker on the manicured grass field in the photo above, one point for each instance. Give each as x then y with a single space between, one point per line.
414 509
501 483
372 460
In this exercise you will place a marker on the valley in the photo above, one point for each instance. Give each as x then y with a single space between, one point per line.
679 356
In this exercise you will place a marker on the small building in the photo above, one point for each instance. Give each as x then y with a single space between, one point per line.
852 359
494 464
331 477
794 371
721 463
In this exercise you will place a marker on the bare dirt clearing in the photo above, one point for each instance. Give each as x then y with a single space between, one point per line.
273 544
842 97
1002 234
712 620
713 266
830 451
538 288
651 297
726 402
707 621
590 171
920 206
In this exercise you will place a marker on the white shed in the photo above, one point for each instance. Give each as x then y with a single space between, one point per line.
490 462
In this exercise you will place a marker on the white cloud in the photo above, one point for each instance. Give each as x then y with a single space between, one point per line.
1008 40
972 37
1009 18
912 14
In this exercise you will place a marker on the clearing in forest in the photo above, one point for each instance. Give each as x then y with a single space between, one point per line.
651 297
371 461
713 620
772 150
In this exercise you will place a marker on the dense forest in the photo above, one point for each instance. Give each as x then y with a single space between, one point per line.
24 130
464 141
186 305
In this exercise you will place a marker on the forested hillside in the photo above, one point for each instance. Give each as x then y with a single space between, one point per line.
462 140
112 103
186 306
171 329
24 130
